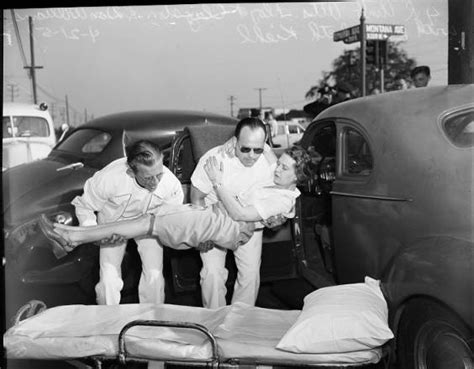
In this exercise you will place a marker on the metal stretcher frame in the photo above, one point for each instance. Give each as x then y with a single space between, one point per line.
214 361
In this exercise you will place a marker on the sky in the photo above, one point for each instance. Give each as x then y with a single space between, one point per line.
199 56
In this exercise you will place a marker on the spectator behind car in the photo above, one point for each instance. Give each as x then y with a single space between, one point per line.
421 76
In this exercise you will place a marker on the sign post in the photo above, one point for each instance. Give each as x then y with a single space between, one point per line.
364 32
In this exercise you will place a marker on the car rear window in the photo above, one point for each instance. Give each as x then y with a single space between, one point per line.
25 126
357 155
85 141
460 128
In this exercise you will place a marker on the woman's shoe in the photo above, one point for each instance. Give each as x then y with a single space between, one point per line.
57 242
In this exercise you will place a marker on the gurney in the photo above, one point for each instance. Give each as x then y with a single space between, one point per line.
228 337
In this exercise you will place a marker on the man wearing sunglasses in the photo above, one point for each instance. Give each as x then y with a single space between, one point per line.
245 168
126 188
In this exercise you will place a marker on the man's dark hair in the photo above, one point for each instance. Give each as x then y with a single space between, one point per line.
142 152
268 114
420 69
252 123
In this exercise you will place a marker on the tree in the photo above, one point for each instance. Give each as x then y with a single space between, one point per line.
346 70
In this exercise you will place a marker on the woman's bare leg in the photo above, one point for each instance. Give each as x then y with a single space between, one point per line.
126 228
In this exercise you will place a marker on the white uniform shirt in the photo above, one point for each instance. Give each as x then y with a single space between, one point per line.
236 177
114 195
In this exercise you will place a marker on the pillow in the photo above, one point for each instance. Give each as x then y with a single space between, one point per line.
343 318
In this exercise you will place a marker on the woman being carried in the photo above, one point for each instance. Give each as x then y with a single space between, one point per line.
228 223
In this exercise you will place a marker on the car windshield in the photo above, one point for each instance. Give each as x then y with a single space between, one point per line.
85 141
24 126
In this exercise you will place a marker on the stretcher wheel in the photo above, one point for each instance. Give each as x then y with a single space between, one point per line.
28 310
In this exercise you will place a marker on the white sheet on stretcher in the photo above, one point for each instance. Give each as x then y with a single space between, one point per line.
242 332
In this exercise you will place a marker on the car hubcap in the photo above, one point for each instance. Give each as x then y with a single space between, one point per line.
440 346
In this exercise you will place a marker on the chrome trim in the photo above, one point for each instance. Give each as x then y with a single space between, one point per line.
72 166
373 197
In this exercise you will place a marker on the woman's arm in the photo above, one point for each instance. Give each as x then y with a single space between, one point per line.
235 209
231 204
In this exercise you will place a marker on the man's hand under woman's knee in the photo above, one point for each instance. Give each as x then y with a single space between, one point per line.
274 221
205 246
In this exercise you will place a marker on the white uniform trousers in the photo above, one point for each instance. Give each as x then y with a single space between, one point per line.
214 274
151 287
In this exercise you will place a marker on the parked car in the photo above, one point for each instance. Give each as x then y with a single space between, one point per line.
393 199
287 134
49 185
28 133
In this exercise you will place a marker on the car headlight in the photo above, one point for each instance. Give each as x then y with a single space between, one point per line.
62 217
25 235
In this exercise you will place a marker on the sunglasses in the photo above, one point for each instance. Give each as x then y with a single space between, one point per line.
246 150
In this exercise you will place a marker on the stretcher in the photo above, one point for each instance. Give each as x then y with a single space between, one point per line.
233 336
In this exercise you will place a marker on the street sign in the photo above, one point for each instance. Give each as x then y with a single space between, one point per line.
347 33
386 29
373 32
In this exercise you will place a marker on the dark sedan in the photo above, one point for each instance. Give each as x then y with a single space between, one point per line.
49 185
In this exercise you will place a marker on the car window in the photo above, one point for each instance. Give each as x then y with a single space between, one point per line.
357 159
324 141
322 149
85 141
281 130
24 126
460 129
7 128
293 129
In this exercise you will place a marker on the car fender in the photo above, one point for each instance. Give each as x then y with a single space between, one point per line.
436 268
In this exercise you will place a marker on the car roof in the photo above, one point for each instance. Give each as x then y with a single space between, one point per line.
12 108
412 110
162 120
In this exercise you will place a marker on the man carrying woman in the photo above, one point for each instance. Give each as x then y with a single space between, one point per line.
229 223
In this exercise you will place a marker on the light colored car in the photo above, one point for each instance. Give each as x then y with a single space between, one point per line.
287 134
28 133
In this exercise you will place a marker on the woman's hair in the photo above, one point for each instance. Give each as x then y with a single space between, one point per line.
142 152
252 123
303 167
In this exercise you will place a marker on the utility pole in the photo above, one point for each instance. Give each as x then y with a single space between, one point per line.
13 91
363 38
32 67
67 112
53 111
260 89
85 115
231 98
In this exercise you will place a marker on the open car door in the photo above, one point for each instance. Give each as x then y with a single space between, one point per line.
280 246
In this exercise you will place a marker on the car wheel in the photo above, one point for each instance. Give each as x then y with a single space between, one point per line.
432 337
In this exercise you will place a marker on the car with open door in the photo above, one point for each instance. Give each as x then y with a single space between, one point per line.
393 200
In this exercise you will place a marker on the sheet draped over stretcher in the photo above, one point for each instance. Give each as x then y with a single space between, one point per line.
242 332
